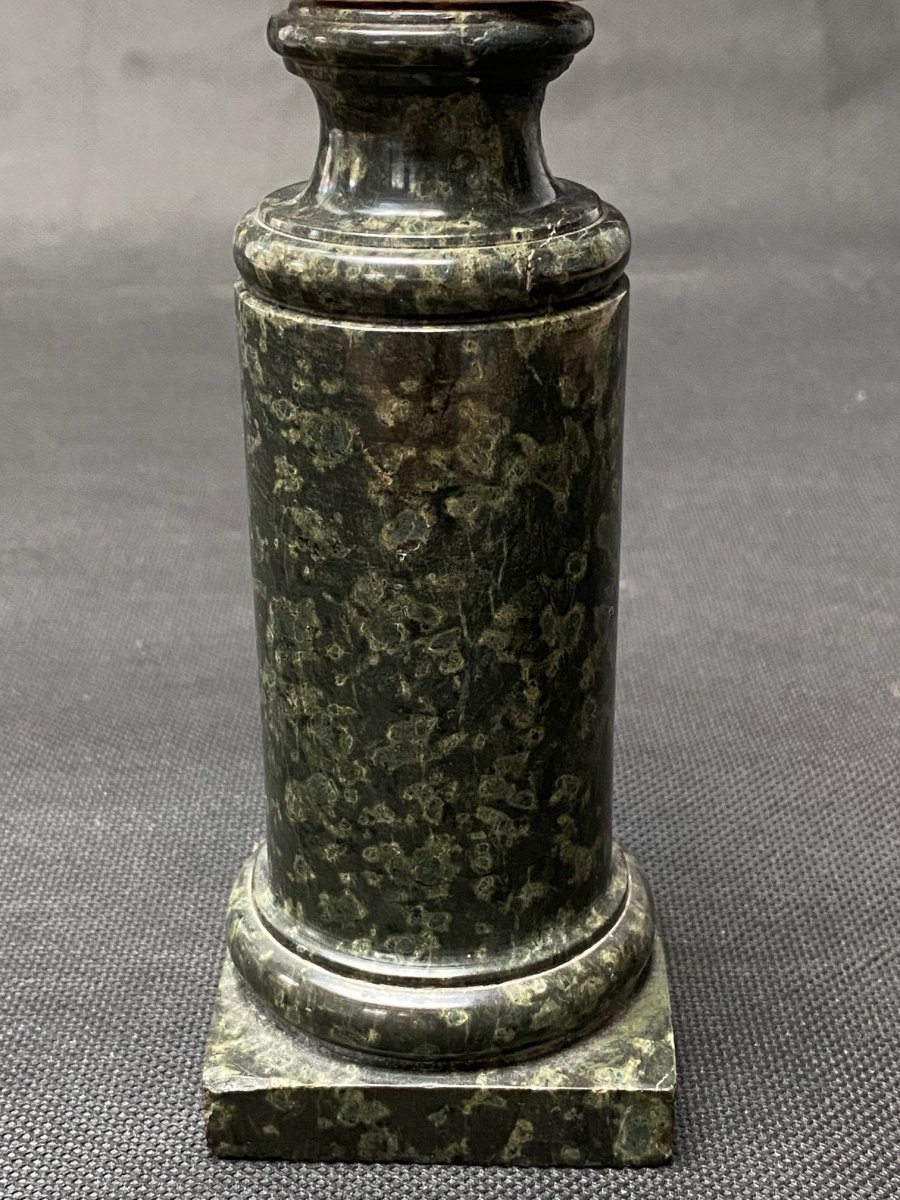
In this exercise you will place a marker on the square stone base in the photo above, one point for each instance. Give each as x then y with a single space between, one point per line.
605 1101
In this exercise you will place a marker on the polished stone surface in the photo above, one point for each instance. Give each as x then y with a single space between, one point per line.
435 531
607 1100
419 1015
433 332
431 195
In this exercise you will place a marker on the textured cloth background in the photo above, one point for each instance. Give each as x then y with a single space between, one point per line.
755 145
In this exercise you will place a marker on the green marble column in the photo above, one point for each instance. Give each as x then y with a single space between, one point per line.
439 953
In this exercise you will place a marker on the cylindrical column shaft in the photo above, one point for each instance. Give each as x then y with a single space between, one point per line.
435 529
433 342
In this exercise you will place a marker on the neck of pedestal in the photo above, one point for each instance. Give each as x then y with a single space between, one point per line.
432 164
430 117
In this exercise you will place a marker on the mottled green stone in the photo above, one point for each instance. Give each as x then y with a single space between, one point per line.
431 194
439 953
441 1015
605 1101
435 519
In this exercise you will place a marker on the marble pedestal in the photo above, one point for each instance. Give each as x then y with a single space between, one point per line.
439 953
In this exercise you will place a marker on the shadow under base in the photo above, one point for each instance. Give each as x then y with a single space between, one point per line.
606 1100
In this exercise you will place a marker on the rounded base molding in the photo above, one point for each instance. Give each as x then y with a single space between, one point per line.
417 1014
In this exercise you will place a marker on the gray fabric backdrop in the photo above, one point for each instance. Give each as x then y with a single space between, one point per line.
755 145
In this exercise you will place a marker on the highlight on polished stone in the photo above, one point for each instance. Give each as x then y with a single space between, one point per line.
439 953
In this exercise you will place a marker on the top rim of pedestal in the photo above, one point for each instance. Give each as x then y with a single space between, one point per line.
392 76
523 35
